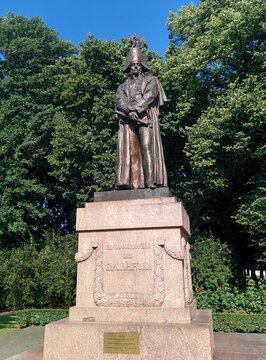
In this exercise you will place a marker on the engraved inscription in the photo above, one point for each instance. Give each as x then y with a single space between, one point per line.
128 259
129 274
128 267
121 343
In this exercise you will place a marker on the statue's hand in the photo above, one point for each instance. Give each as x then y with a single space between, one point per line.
133 116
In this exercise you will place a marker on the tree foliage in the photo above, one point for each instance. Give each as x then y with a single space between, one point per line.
28 101
216 61
84 137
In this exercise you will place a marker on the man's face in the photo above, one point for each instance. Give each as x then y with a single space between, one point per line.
135 68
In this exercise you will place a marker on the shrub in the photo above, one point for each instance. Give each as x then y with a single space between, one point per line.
239 323
231 299
3 267
20 277
212 275
57 271
211 263
39 316
37 278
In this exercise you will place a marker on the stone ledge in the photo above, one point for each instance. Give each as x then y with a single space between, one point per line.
135 314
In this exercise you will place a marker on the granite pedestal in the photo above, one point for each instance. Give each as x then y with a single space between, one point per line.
134 295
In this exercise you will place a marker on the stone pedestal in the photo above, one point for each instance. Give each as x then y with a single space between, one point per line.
134 293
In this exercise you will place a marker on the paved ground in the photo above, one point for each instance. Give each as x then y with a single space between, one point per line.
238 346
26 344
20 340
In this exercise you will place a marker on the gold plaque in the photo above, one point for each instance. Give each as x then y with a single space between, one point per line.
121 343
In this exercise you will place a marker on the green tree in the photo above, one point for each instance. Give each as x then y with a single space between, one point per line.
28 101
84 138
216 61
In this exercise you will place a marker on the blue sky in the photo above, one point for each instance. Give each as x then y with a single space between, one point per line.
106 19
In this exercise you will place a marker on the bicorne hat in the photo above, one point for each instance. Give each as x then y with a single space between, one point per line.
135 54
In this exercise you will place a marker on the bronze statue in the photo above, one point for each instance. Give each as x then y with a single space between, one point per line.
140 158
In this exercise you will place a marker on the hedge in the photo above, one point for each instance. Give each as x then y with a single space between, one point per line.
243 323
227 322
39 316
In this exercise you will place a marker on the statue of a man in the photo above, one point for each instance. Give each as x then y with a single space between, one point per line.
140 158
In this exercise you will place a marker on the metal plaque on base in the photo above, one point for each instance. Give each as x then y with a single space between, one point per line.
121 343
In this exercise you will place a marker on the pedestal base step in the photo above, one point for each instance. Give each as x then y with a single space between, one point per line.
135 314
69 340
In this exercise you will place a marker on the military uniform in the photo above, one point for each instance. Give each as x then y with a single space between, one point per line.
140 159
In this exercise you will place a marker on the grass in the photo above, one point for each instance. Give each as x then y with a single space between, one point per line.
8 322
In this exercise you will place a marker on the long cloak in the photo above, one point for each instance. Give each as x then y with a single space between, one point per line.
124 170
